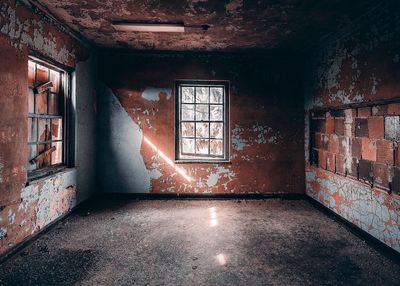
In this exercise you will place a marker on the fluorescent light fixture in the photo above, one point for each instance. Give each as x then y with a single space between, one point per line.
149 27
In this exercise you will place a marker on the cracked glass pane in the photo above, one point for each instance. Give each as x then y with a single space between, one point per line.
216 130
188 94
202 112
202 95
41 103
202 146
44 130
187 129
42 75
56 155
187 112
31 101
216 113
32 129
31 73
202 130
217 94
216 147
188 146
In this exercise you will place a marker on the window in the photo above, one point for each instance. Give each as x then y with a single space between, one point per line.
46 117
202 120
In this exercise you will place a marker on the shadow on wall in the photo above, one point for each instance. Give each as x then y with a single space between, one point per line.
120 165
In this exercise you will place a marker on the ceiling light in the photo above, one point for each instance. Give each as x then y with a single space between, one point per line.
149 27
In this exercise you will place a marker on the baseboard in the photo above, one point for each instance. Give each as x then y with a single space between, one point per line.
357 231
29 239
201 196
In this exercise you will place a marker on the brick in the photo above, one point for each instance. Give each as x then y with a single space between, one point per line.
361 128
392 128
344 143
322 159
381 175
393 109
356 147
317 125
385 152
340 165
365 171
368 149
364 112
333 144
379 110
339 126
395 185
319 140
376 127
352 169
329 125
330 162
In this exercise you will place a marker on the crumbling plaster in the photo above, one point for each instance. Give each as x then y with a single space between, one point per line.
359 65
28 207
136 126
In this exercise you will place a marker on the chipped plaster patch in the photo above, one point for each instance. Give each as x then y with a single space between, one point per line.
238 142
30 32
153 93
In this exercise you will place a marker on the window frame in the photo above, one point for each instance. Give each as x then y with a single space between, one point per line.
65 93
225 158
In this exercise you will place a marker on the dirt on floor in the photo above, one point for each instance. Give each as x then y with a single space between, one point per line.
199 242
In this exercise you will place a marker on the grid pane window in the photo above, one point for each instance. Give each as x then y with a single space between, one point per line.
202 119
45 116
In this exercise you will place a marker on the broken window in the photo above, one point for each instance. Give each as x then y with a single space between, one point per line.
202 120
46 116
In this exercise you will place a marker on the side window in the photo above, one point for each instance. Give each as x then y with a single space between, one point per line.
202 121
46 117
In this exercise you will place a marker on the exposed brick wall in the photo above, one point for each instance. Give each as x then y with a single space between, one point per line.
359 143
354 79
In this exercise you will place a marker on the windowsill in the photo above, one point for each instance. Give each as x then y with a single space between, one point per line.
45 173
191 161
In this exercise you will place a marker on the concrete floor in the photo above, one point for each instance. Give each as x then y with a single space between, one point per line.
271 242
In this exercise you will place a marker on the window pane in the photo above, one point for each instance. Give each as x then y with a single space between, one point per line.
188 146
216 113
56 129
217 94
44 161
41 103
32 154
217 130
216 147
188 94
202 146
187 112
202 130
56 156
55 79
31 101
202 95
32 129
44 130
42 75
202 112
54 108
31 73
187 129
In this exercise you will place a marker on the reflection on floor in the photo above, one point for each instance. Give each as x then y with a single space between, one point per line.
191 242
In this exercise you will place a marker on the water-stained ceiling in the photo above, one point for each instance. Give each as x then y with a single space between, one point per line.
234 24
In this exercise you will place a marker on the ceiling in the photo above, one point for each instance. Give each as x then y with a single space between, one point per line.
235 25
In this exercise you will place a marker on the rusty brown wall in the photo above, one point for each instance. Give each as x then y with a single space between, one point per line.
25 210
136 123
352 124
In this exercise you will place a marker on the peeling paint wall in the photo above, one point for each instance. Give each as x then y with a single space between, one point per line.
26 209
136 124
358 65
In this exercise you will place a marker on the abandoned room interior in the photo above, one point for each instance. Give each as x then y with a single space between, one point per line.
199 142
